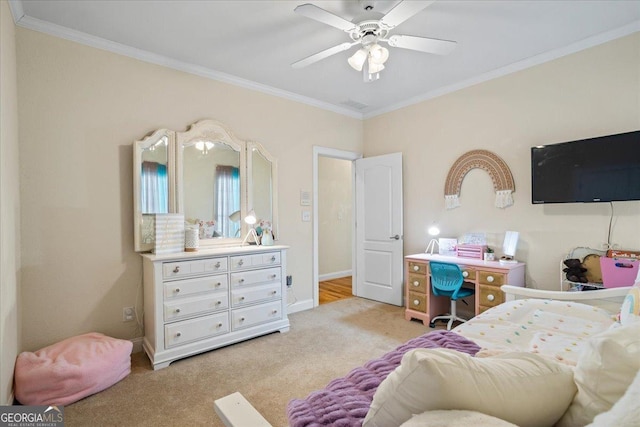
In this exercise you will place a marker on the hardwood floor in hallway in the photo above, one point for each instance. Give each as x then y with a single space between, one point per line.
334 290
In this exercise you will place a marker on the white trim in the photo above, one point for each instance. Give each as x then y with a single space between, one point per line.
335 154
16 10
334 275
143 55
515 67
300 306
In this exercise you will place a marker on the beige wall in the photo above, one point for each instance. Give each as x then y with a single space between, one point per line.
9 207
590 93
80 110
334 216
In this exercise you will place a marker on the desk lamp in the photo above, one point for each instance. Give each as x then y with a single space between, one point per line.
433 231
250 219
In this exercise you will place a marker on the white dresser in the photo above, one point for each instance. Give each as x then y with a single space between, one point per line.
198 301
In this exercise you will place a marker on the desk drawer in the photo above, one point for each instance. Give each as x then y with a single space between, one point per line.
417 302
469 274
491 278
418 267
490 296
254 277
189 268
417 283
250 316
240 297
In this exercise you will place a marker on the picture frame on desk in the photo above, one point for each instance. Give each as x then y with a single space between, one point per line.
447 246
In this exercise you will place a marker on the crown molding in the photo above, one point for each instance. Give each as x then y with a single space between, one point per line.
515 67
17 11
39 25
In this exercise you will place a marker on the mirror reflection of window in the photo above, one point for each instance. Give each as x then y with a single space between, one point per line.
227 200
154 185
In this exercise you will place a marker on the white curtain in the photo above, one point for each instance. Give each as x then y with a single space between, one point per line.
154 188
227 199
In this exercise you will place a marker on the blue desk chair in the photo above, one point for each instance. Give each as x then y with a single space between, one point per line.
447 280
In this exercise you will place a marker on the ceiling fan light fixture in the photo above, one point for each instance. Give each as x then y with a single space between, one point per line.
358 59
375 68
378 54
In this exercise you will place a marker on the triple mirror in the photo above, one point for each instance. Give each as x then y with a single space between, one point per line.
207 174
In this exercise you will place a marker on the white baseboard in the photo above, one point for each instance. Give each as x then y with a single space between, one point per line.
300 306
137 344
334 275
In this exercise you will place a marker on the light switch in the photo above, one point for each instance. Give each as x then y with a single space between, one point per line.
306 216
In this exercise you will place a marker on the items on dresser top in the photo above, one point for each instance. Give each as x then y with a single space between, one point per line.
198 302
485 276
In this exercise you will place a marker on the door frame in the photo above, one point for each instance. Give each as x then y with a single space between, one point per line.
334 154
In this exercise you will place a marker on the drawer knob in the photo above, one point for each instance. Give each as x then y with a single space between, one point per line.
490 297
217 285
416 302
176 290
242 319
218 302
241 298
273 276
273 258
490 279
220 325
177 310
274 312
416 268
177 269
465 274
416 283
241 280
217 264
178 334
274 292
240 262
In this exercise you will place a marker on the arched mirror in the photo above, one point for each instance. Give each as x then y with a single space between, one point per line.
153 181
211 182
211 177
262 184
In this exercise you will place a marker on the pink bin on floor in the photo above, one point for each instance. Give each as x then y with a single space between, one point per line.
618 272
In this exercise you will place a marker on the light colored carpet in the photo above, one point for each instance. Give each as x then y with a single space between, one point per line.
323 344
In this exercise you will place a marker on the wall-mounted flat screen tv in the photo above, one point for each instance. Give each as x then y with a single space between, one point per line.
602 169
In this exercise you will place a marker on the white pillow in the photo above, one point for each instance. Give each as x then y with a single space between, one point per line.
604 371
455 418
521 388
625 412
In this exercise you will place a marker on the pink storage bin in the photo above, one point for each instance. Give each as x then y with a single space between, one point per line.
618 272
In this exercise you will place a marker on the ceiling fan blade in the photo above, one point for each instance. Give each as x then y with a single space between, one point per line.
422 44
322 55
403 11
314 12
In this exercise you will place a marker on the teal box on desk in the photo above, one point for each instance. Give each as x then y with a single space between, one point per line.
618 272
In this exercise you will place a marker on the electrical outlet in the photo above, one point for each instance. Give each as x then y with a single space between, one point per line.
289 281
128 314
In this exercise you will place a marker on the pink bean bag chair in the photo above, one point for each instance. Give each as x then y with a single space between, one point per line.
72 369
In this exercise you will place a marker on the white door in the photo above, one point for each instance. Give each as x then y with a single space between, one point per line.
379 255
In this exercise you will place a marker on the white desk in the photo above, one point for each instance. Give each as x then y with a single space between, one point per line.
486 276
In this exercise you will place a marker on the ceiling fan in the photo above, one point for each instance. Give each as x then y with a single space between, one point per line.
375 28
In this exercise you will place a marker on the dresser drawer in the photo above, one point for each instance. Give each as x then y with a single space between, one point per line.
418 267
490 296
240 297
417 283
417 302
241 262
491 278
182 308
195 286
251 316
180 269
254 277
195 329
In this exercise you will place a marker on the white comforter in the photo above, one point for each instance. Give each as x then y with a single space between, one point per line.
556 329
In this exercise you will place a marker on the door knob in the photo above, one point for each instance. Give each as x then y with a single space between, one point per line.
396 237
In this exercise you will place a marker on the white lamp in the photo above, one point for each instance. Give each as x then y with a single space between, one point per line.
357 59
250 219
433 231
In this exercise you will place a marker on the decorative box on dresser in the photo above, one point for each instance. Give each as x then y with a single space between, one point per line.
199 301
485 276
